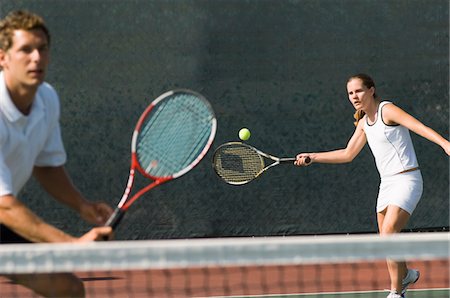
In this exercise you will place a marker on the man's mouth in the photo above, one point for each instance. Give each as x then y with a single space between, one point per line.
36 72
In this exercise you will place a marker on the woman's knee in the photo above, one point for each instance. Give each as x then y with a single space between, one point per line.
395 219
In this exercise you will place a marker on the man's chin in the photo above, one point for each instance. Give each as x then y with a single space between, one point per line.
35 82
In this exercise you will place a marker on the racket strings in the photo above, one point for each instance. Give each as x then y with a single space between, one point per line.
174 135
237 164
160 140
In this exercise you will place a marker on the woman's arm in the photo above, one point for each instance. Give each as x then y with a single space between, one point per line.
395 115
353 148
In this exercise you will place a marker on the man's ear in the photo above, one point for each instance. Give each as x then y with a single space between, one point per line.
2 59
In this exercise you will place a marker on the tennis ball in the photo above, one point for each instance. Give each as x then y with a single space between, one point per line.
244 134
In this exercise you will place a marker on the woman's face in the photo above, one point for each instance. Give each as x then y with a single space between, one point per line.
359 95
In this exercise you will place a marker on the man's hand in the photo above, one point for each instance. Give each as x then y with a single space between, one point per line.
95 213
96 234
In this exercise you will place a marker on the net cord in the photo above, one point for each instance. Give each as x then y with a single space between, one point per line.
134 255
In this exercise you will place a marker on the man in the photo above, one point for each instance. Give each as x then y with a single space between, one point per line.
31 144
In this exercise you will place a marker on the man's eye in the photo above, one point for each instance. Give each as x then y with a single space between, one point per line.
26 50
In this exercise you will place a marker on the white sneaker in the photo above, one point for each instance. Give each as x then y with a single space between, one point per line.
411 277
394 294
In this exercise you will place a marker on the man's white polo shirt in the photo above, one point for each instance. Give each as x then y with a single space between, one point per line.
28 141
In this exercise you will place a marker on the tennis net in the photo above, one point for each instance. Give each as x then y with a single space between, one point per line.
295 266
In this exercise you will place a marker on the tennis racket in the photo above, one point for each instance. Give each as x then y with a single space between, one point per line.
237 163
170 138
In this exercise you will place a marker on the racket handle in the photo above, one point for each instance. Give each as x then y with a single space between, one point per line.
290 159
287 159
115 218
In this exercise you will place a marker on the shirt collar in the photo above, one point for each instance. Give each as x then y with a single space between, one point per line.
7 106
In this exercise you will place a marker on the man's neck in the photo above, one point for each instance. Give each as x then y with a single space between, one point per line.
22 96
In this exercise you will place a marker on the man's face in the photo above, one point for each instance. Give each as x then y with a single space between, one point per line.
25 63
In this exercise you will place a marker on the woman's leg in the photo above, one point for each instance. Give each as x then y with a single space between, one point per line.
392 220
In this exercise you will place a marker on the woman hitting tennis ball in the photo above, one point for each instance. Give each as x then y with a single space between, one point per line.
386 128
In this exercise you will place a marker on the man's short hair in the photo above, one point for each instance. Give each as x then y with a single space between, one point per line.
19 20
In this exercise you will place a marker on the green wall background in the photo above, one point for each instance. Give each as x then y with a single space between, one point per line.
278 67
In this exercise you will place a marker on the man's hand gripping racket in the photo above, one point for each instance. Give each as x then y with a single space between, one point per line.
170 138
238 163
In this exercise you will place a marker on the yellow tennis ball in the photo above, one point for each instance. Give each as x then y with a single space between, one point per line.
244 134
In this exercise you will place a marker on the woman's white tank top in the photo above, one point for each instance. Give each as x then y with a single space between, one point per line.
391 145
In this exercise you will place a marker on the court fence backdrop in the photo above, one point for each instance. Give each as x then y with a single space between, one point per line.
277 67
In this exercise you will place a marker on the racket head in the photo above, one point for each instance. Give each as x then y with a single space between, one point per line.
173 134
237 163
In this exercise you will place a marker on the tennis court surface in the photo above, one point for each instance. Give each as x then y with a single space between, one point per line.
295 266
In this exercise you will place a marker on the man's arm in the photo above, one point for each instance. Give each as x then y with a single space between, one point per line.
24 222
58 184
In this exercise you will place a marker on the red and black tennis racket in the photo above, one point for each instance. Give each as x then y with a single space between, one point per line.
171 137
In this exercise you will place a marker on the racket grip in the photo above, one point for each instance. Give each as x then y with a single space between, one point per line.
115 218
307 159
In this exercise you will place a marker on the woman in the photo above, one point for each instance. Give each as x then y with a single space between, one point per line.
386 128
